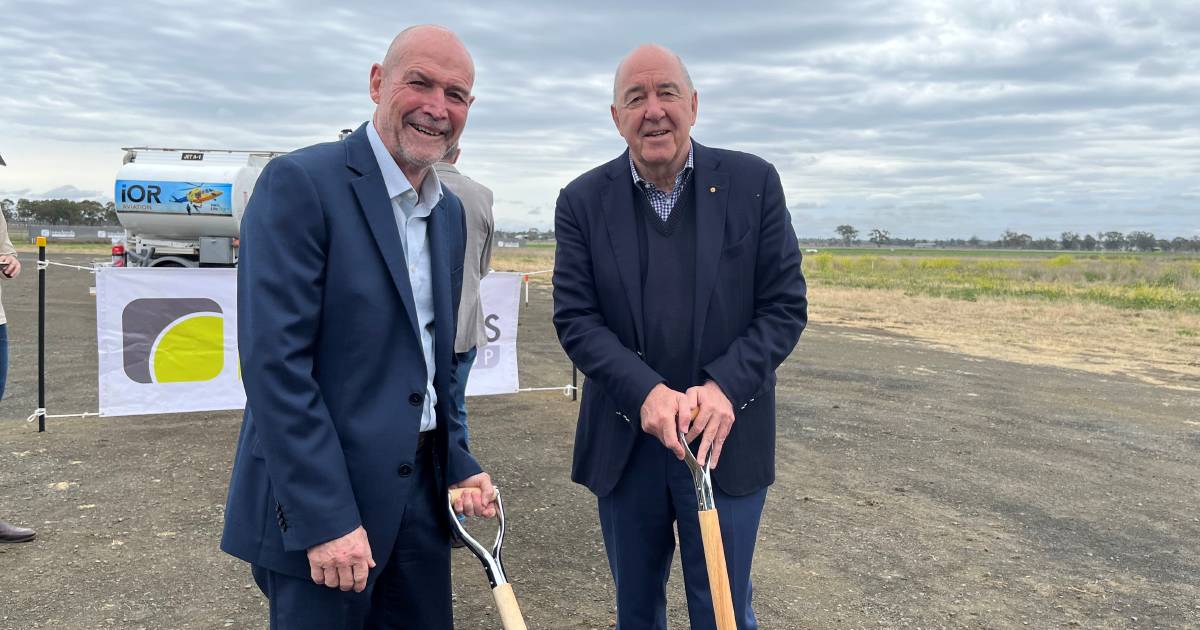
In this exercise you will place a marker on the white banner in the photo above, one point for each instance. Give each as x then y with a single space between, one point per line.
495 369
167 340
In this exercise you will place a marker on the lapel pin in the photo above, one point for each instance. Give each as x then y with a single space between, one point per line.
712 189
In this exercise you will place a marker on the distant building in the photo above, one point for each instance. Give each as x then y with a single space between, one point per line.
509 244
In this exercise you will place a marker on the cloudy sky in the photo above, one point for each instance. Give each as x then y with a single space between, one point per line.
925 118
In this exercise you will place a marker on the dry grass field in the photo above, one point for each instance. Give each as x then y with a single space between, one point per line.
1136 315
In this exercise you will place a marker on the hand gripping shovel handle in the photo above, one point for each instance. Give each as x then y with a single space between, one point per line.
502 591
710 535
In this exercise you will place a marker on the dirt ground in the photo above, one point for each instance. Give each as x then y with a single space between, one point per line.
1156 347
917 488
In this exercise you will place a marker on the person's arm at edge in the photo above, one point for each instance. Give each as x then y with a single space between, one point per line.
463 470
489 235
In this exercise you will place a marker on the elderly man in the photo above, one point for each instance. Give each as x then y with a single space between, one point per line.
677 287
347 290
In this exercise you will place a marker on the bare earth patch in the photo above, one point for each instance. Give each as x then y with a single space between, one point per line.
1158 347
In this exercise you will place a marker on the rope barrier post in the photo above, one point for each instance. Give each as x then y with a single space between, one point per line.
41 245
526 280
574 383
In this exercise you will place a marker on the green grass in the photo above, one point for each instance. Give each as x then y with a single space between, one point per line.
1162 282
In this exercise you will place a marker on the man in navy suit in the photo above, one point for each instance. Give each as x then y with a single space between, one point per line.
677 287
350 273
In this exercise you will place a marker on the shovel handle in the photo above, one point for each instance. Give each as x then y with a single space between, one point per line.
458 492
510 611
718 575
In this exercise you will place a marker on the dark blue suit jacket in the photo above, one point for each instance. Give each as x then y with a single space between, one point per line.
750 309
331 358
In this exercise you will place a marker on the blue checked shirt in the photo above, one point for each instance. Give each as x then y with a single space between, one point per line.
663 202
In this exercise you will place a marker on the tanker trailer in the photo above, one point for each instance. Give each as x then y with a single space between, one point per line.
183 207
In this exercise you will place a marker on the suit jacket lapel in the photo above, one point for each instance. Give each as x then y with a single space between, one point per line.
440 235
712 200
377 207
619 210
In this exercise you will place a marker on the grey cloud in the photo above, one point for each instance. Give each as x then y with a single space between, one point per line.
932 118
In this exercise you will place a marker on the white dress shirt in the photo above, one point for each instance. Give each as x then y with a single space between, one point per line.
412 212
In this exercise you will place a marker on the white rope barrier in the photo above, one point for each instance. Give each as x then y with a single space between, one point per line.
41 411
565 389
45 264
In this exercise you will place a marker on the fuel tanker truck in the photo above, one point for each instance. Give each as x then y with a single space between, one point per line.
183 207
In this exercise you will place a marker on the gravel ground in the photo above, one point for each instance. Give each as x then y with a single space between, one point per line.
917 488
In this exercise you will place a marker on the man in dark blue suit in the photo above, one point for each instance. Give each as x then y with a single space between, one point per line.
350 273
677 287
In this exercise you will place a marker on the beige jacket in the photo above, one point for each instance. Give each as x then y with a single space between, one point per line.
6 247
481 231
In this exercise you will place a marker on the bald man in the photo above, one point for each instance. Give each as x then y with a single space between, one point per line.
348 286
677 288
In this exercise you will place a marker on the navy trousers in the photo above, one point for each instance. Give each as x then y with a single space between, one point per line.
465 361
409 590
656 492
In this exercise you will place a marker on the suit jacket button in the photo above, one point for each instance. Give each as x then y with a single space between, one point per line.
405 470
415 399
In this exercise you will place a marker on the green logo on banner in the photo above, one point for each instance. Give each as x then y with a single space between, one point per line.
173 340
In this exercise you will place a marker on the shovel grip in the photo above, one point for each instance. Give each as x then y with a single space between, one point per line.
458 492
510 611
718 575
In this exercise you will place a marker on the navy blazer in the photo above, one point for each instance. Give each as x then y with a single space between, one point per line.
331 358
749 312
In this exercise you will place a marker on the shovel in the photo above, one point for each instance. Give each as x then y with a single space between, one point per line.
710 534
502 591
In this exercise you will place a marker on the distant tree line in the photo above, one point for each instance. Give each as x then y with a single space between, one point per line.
59 212
532 234
1111 241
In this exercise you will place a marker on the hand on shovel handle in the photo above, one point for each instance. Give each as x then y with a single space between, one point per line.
502 591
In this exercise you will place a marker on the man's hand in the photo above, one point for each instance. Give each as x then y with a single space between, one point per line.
10 266
342 562
713 422
663 414
482 503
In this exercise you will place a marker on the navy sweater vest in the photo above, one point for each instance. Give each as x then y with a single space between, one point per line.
668 266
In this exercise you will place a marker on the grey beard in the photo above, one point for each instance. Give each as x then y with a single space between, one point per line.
404 158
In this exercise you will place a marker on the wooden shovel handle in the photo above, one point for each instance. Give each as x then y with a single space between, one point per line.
718 575
510 611
458 492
